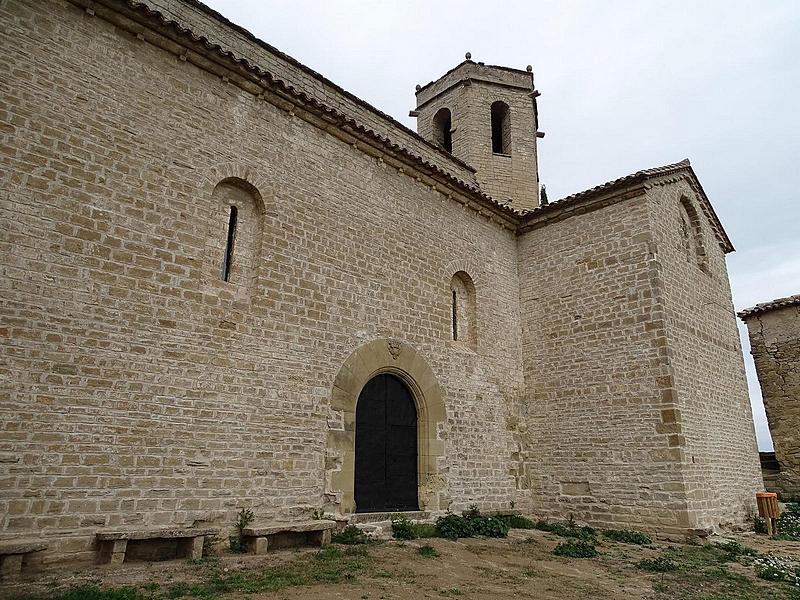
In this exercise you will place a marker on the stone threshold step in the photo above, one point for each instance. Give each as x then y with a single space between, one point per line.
375 517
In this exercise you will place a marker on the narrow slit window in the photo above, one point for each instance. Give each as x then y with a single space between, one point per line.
227 262
455 317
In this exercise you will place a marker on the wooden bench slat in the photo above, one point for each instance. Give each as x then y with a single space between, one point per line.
262 531
152 534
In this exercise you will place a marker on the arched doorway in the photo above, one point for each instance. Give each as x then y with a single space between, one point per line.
386 447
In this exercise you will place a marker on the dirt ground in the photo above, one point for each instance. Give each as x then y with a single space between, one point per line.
521 566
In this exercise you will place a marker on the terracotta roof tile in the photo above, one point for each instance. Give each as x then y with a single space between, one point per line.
768 306
642 176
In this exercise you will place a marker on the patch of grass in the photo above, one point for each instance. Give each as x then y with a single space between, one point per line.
576 549
660 564
735 549
330 565
628 536
350 535
700 557
451 592
427 551
93 592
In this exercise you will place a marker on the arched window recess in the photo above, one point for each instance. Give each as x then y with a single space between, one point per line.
501 128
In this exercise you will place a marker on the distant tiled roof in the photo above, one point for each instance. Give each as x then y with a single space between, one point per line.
768 306
641 177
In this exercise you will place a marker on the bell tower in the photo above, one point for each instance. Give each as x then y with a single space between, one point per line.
486 116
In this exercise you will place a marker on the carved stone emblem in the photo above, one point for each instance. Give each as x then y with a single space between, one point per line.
394 348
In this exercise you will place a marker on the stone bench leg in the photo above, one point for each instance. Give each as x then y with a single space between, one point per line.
320 538
191 548
113 552
10 566
257 545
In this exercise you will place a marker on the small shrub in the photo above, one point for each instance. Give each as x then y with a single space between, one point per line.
350 535
517 522
759 524
576 549
427 551
453 527
628 536
657 565
402 527
243 518
489 527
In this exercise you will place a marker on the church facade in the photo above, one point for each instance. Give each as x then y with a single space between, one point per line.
229 283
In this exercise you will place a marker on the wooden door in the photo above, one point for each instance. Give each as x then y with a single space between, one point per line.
386 447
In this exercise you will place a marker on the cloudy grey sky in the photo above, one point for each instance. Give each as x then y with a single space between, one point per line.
625 85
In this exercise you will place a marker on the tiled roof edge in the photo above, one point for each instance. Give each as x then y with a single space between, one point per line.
319 107
768 306
315 74
639 176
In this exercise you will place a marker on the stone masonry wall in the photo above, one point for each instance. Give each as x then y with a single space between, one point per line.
139 389
316 86
775 345
595 413
713 427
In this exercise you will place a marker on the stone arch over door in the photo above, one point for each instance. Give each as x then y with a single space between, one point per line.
404 362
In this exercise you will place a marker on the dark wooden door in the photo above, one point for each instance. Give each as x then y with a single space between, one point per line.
386 447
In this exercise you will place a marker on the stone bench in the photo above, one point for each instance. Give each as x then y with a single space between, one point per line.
11 554
281 535
114 544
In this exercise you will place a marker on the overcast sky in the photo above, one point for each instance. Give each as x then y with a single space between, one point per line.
625 85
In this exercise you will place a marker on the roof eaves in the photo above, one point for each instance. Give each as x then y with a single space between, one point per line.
770 306
637 177
316 75
330 114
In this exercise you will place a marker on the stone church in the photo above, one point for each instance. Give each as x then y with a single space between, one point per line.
229 283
